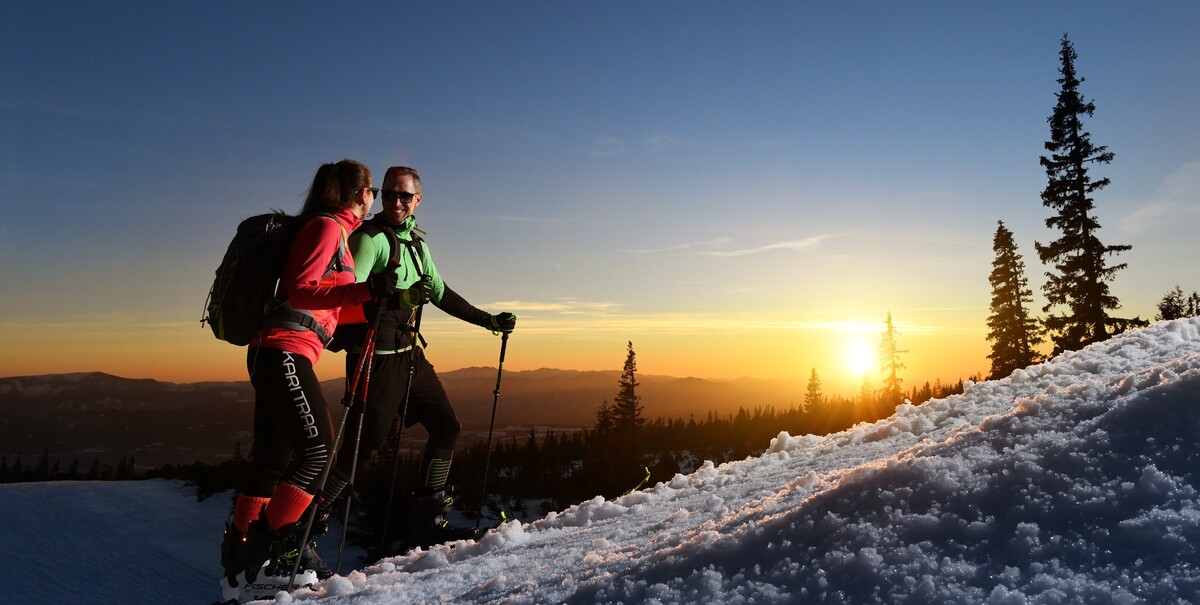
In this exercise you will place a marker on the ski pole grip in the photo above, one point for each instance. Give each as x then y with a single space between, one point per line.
500 364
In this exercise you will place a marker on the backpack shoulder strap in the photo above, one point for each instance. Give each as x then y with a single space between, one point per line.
378 225
338 262
413 243
393 243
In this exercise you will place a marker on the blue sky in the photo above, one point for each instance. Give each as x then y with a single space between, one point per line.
736 187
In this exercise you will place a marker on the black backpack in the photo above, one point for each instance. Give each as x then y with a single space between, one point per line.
243 298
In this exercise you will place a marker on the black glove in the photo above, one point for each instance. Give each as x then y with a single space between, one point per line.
381 284
370 309
503 322
416 294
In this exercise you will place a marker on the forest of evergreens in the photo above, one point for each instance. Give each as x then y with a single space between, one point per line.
45 468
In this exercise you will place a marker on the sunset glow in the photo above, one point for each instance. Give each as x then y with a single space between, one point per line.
860 359
752 208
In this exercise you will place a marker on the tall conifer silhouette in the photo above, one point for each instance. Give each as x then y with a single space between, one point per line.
1078 285
1013 331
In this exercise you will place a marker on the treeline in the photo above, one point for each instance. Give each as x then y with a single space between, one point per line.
713 437
46 469
1174 305
562 468
622 452
207 478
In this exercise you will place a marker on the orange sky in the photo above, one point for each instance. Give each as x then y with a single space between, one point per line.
183 352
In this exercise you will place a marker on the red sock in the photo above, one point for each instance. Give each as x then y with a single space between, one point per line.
247 509
287 505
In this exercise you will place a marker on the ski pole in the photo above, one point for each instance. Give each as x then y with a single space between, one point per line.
354 460
312 513
412 370
347 401
487 460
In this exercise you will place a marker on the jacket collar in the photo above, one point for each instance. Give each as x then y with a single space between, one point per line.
406 225
348 218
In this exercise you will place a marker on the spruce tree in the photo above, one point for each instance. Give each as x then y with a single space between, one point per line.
626 411
604 419
866 396
1013 332
1173 305
889 357
621 463
1080 284
812 396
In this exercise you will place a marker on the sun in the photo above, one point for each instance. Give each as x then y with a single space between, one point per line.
859 358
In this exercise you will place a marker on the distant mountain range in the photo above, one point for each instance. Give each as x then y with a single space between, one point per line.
94 415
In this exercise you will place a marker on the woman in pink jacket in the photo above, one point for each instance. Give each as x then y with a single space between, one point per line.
293 430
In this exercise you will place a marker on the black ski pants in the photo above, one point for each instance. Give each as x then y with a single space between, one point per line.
428 405
293 433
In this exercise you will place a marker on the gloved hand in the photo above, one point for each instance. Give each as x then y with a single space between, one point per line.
503 322
381 284
370 309
417 294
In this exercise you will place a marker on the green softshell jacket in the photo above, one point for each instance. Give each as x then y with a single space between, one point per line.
372 251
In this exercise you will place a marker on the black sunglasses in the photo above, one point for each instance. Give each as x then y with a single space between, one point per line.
403 196
374 191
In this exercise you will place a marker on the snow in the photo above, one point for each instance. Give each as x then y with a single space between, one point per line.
1070 481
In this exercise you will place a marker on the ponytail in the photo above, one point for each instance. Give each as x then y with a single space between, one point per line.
333 187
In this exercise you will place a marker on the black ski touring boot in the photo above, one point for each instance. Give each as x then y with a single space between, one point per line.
432 502
270 556
431 525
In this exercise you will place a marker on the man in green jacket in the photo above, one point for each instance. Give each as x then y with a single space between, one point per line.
390 235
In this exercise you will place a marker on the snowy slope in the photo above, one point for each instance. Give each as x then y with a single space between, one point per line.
75 543
1071 481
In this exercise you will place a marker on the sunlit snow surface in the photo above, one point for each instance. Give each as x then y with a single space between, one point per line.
1070 481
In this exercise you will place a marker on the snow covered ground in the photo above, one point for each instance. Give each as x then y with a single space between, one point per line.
1070 481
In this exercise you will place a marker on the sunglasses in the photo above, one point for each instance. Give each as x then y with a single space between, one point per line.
403 196
374 191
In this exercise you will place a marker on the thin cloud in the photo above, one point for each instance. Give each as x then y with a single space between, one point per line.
562 318
658 143
526 219
607 147
875 328
766 143
807 243
1174 199
560 307
686 246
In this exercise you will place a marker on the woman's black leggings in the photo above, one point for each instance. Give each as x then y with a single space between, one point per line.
291 421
